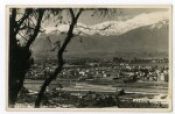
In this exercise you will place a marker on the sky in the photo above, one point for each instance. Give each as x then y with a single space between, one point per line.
121 14
118 22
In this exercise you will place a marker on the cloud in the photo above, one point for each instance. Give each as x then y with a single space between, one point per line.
114 27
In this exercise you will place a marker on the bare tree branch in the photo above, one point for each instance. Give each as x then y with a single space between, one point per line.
20 22
104 28
22 36
72 14
37 28
78 14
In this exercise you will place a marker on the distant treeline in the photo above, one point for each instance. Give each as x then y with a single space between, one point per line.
84 61
140 60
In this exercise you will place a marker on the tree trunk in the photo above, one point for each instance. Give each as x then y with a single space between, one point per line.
59 67
16 73
17 70
57 70
45 84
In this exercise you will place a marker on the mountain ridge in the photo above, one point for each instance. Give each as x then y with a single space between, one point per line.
151 39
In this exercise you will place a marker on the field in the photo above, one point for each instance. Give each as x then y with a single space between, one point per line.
137 94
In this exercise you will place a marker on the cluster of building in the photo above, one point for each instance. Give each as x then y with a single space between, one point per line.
112 71
146 72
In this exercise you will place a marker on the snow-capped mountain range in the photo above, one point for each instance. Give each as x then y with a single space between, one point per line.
111 38
113 27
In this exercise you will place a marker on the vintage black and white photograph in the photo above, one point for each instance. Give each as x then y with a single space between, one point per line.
89 57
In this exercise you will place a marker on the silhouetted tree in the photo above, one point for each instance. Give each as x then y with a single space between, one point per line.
24 24
70 35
